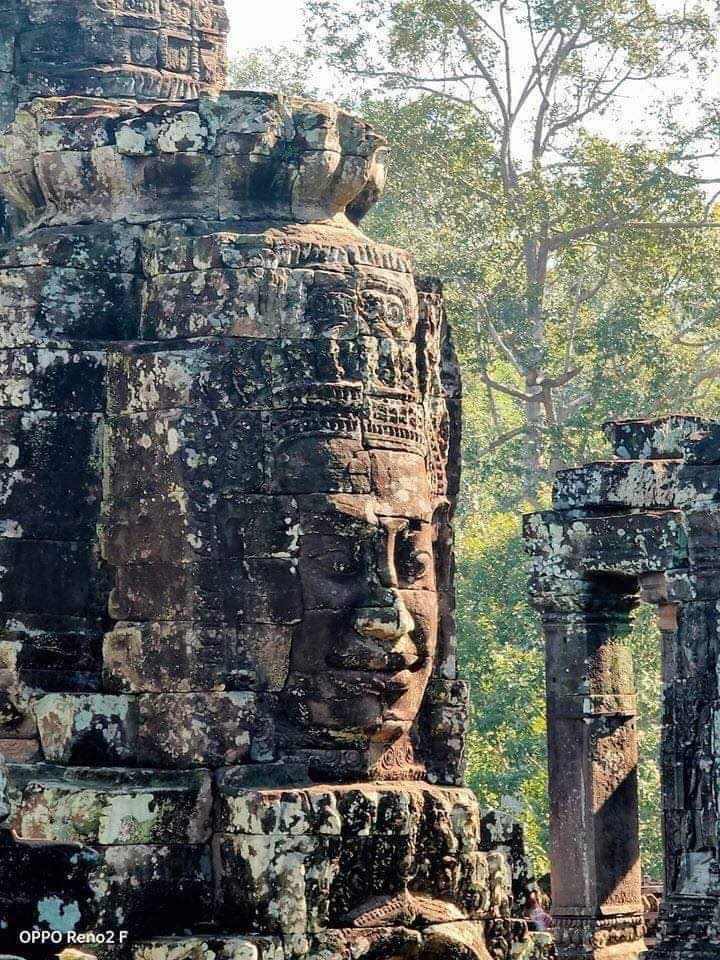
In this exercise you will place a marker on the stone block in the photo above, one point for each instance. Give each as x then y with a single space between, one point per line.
114 808
97 729
643 484
259 591
626 544
196 729
166 528
43 884
302 460
42 303
45 378
49 475
698 487
51 652
175 878
211 374
20 751
165 730
167 657
275 884
51 578
96 249
214 452
662 438
256 303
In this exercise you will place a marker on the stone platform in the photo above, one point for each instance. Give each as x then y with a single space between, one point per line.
318 870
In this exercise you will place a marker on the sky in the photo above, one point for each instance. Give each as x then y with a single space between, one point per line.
268 23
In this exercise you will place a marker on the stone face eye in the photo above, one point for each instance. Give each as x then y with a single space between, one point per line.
414 557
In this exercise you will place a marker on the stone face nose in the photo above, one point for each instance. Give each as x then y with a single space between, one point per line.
385 619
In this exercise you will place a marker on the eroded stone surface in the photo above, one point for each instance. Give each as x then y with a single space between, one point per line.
119 48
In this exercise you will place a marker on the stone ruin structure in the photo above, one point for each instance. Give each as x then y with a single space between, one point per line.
644 526
144 49
230 715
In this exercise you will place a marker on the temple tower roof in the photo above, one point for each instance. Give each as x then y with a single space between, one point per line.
140 49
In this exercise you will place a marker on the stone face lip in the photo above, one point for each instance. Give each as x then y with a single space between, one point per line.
239 156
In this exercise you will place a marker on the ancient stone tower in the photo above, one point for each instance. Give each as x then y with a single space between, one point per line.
230 714
644 526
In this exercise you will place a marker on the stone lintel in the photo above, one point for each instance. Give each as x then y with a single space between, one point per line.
641 484
628 544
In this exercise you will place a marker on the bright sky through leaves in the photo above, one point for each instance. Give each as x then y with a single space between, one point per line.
269 23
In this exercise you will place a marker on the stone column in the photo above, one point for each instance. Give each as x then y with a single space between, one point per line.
592 743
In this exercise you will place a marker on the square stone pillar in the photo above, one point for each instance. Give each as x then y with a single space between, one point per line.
592 739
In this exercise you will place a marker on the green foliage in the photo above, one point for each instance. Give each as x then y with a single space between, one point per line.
646 646
284 69
501 649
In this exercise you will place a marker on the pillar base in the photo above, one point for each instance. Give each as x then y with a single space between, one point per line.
600 938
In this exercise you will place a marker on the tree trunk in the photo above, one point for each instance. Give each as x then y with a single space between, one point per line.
533 459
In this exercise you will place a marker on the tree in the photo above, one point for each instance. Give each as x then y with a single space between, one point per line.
285 69
527 87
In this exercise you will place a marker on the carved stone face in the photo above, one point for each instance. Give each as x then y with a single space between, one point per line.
364 460
362 656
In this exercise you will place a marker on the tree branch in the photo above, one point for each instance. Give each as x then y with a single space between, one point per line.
509 391
499 441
